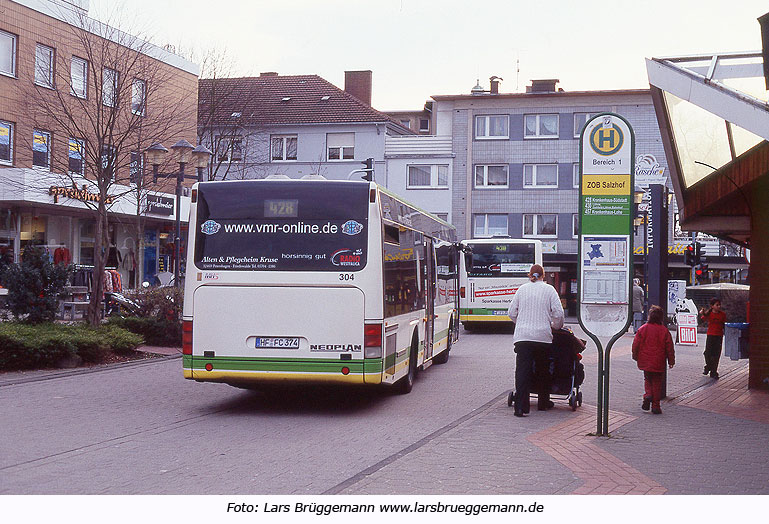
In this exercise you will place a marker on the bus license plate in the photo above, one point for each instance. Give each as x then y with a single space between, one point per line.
499 312
277 342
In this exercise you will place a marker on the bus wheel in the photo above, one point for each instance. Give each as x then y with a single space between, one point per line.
406 383
443 356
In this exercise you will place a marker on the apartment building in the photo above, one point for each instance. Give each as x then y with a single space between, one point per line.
294 126
516 163
60 72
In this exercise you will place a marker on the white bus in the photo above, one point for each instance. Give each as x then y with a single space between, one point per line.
315 281
491 270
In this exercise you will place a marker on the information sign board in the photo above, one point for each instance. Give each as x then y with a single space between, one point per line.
606 218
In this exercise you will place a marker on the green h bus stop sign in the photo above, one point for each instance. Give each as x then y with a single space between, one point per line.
607 151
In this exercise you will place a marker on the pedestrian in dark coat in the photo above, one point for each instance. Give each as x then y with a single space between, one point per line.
652 349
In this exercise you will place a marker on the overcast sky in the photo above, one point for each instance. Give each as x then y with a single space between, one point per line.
419 48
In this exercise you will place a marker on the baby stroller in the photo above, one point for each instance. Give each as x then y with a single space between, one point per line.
566 368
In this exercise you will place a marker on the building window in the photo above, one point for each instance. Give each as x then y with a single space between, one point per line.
284 147
41 149
540 225
6 143
580 119
78 72
44 65
442 216
540 175
136 167
341 146
7 53
424 125
575 225
427 176
541 126
491 176
231 149
139 97
109 80
406 124
109 161
575 175
491 126
76 156
489 225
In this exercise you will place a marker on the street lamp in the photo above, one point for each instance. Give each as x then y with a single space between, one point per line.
185 153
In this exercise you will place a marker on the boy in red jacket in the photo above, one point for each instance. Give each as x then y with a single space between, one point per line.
652 348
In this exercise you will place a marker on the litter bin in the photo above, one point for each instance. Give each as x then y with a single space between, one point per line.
736 340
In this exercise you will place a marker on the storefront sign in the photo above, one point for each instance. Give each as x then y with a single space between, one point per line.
159 205
648 171
77 194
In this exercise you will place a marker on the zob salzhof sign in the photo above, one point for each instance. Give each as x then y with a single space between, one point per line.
606 222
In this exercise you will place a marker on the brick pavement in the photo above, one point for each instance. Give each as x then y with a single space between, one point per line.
711 439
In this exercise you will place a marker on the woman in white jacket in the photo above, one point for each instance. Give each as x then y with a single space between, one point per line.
536 310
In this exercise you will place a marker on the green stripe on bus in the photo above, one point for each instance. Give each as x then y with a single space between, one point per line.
373 365
479 311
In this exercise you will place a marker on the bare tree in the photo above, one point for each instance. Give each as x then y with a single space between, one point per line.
113 102
226 123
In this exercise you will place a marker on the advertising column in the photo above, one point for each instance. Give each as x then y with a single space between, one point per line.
605 239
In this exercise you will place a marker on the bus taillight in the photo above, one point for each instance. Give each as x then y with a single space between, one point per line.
372 340
187 337
462 292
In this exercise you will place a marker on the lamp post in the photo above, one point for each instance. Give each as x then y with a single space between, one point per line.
185 153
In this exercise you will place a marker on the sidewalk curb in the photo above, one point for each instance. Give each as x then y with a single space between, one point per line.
16 380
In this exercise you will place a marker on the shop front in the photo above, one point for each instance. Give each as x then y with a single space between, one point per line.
61 220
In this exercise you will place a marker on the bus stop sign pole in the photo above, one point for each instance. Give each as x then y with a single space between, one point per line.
606 166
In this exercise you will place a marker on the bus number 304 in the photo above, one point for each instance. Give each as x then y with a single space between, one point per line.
346 276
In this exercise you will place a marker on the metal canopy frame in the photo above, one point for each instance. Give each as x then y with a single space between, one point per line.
703 81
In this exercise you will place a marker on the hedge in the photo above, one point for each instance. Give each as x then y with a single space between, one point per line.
155 331
33 346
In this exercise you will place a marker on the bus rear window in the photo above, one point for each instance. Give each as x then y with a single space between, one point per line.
501 260
265 225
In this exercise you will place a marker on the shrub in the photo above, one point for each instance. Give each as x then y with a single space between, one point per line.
163 303
34 285
155 331
27 346
120 340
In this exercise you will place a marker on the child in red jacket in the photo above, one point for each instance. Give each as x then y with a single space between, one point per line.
716 318
652 348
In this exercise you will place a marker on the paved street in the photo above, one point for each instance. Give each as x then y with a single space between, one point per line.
143 429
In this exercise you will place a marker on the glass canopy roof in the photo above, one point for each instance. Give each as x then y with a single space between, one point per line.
716 105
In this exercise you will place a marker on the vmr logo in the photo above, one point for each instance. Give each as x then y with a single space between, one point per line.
606 140
210 227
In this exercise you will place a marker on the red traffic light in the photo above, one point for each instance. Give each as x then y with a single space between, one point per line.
698 272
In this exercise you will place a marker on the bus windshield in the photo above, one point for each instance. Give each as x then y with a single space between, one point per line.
501 260
274 226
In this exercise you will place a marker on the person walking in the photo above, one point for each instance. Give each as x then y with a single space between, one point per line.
638 304
652 348
536 310
716 318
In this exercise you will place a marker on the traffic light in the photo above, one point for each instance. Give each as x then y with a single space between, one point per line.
699 252
368 167
689 255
